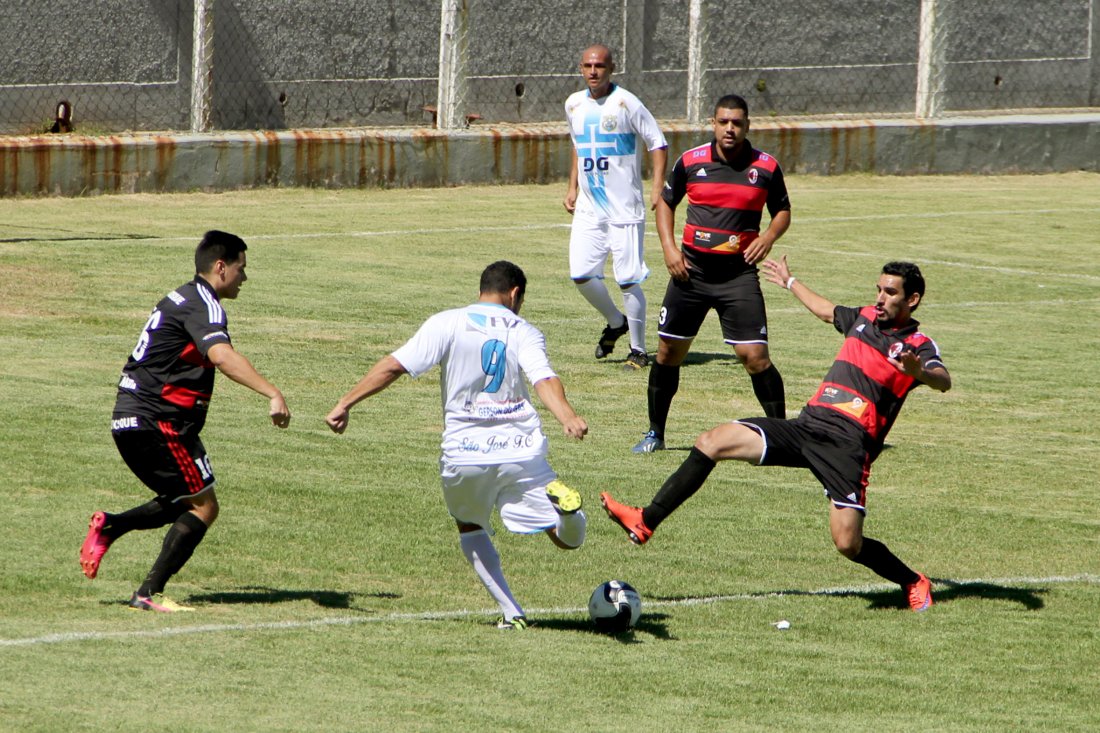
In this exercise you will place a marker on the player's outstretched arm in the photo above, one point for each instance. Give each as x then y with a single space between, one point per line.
384 373
237 367
777 271
552 393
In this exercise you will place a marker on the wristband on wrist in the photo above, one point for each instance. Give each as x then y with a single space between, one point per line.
790 282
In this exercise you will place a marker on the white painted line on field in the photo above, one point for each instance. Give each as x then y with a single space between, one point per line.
71 636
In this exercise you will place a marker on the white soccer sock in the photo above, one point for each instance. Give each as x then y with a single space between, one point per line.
571 527
485 560
595 292
634 305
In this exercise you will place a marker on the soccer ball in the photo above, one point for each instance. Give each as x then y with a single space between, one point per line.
614 607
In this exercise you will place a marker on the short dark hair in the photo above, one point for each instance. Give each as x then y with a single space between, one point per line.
912 281
501 277
732 101
217 245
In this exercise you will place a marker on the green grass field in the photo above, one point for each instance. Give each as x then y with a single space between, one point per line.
332 594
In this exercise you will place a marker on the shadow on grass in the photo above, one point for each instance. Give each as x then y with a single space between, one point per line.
944 590
260 594
650 623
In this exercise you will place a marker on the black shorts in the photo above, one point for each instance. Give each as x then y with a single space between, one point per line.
738 302
169 459
841 464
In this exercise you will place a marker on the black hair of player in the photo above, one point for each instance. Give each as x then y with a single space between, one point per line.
501 277
732 101
912 281
217 245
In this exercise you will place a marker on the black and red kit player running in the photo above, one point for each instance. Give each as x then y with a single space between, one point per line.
160 409
727 183
840 431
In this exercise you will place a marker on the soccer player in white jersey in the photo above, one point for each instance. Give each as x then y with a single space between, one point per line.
494 450
607 125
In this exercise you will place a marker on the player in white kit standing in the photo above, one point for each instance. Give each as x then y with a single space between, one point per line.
494 450
608 126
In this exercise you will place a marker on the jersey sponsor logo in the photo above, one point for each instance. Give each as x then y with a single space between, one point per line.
702 173
754 176
700 152
124 423
176 298
126 382
480 322
847 402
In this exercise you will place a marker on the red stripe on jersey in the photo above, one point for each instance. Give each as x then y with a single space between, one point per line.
874 364
192 355
726 195
181 396
190 471
722 241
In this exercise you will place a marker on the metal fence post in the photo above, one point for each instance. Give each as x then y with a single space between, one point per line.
453 37
931 60
202 69
696 31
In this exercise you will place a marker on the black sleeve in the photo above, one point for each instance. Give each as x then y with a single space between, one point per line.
778 200
675 184
844 318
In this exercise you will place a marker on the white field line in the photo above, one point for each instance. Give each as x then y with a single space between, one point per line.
74 636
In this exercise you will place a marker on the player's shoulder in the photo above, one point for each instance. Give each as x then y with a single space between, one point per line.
576 99
762 159
698 155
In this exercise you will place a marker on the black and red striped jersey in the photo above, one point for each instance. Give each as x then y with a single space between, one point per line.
725 199
862 386
167 376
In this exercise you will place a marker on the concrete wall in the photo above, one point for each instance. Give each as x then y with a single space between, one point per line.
290 64
77 165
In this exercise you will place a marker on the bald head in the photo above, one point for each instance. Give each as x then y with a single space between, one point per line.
596 68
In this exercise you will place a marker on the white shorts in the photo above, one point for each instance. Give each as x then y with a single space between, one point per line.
591 241
518 490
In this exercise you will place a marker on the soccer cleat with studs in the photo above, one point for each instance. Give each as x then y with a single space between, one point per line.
636 361
649 443
919 593
95 545
157 602
608 338
627 517
516 623
566 500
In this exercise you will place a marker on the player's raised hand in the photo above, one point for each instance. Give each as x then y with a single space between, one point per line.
777 271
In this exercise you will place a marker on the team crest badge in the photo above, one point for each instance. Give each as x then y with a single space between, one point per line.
896 349
754 176
608 124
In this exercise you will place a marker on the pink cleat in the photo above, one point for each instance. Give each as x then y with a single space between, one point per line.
95 545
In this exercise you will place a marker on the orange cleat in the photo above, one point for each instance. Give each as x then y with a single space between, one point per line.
627 517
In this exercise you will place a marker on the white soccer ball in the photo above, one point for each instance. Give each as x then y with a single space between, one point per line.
614 607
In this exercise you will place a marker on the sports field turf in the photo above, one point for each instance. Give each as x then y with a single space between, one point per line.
332 594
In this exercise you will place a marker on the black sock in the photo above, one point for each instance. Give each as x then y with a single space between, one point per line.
878 557
664 381
679 487
768 386
182 539
151 515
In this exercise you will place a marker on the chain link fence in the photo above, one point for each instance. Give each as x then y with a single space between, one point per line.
198 65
